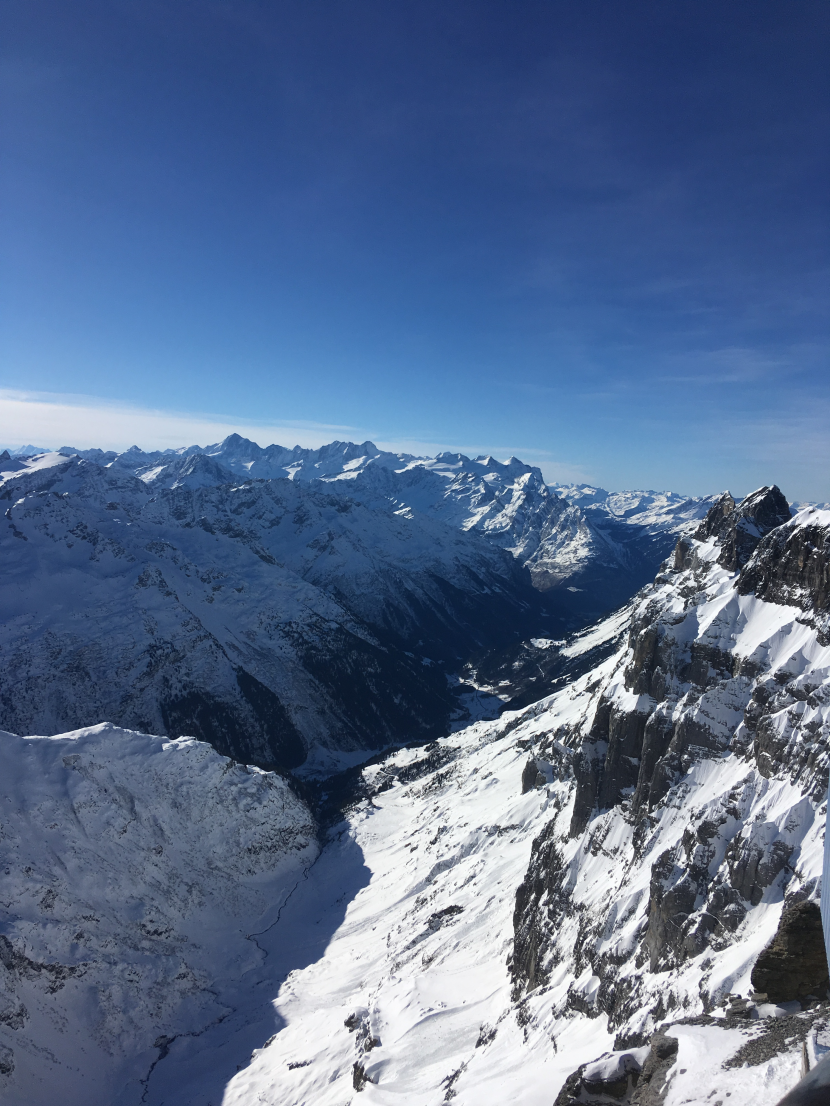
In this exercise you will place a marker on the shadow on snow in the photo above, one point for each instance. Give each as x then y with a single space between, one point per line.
196 1069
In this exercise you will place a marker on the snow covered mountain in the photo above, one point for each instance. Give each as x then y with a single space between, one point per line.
600 547
667 811
272 618
285 602
138 873
609 895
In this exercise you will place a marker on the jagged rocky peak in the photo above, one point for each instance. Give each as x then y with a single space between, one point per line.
739 527
792 564
639 743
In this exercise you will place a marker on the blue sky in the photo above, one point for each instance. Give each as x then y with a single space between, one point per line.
591 234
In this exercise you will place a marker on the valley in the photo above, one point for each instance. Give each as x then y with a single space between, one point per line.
495 840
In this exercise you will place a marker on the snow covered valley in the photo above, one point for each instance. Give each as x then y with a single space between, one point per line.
607 895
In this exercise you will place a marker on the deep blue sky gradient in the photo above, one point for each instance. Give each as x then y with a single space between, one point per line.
591 233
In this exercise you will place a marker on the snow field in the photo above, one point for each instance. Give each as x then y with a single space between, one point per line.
426 982
420 960
135 867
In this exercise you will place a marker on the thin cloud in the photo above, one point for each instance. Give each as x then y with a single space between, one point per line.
85 422
53 420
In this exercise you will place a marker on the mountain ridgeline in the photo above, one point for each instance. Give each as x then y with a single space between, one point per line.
293 606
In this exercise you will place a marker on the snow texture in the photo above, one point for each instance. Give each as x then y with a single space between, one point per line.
135 869
560 532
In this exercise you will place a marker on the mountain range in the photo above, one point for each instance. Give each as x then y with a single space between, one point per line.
344 793
296 606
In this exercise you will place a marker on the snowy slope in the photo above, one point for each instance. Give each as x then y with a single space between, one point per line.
654 510
305 608
600 546
654 815
495 910
269 617
135 869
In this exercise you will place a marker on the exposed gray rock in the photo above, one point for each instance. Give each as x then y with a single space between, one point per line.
359 1076
786 739
794 965
652 1085
755 863
645 749
739 528
6 1060
624 1078
531 776
777 1036
541 900
611 1079
791 566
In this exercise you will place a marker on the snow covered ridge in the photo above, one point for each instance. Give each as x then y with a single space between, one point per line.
564 535
699 770
135 867
289 618
580 883
667 812
272 618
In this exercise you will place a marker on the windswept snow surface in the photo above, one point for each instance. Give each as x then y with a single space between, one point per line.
135 870
420 957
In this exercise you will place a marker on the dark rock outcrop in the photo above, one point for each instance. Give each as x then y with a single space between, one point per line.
791 566
794 965
687 908
739 528
531 776
621 1079
642 751
652 1085
359 1076
615 1084
672 896
541 901
754 864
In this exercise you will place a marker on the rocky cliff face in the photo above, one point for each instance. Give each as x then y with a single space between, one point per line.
697 767
739 527
792 567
